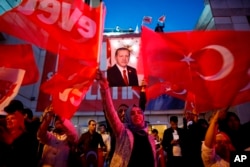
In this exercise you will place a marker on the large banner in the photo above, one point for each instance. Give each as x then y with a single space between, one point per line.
92 100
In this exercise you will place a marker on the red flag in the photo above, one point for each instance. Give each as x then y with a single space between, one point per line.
69 85
20 57
243 95
10 81
58 26
162 19
147 19
212 65
74 77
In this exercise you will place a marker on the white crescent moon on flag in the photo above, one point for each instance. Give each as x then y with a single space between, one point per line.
245 88
184 91
227 66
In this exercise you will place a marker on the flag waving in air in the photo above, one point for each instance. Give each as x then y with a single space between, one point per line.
10 81
147 19
213 66
63 26
75 74
162 19
20 57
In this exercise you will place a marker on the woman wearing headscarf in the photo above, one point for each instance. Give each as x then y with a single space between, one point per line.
134 146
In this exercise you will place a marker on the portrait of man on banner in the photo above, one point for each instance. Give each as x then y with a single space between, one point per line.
123 62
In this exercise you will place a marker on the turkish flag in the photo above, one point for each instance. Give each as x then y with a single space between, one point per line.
69 85
71 28
10 81
211 65
20 57
162 19
74 76
147 19
243 95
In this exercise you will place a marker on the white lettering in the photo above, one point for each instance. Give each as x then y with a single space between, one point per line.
52 9
28 8
114 93
243 157
126 93
64 95
240 158
89 95
87 27
50 75
69 21
73 101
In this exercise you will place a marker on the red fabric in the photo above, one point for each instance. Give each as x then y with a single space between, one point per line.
161 158
20 57
75 73
147 19
58 26
243 95
10 81
69 85
108 53
224 53
162 19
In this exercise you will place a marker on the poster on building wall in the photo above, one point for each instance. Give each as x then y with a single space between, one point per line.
122 55
92 100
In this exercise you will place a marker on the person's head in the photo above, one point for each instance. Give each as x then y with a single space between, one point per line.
232 120
203 123
28 114
223 145
14 105
134 118
59 126
102 128
92 125
154 132
121 111
230 123
15 121
174 122
122 56
15 115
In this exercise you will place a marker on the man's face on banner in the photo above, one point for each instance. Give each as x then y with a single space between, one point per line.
122 58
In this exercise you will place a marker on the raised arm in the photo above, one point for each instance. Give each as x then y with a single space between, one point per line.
109 110
213 128
42 133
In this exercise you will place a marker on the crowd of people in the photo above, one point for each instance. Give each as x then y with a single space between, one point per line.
124 141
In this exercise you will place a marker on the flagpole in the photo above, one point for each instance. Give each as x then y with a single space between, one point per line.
100 33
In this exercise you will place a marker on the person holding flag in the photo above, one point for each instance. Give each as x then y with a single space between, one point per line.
134 146
57 143
160 24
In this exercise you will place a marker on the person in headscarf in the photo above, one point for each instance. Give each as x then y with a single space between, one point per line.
134 146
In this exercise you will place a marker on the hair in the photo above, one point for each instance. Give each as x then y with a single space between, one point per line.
28 112
122 105
122 48
91 121
14 105
174 119
223 124
103 125
155 131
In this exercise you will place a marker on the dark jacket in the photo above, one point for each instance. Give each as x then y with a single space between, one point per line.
168 137
115 77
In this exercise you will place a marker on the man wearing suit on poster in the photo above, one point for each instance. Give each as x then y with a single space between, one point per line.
121 74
